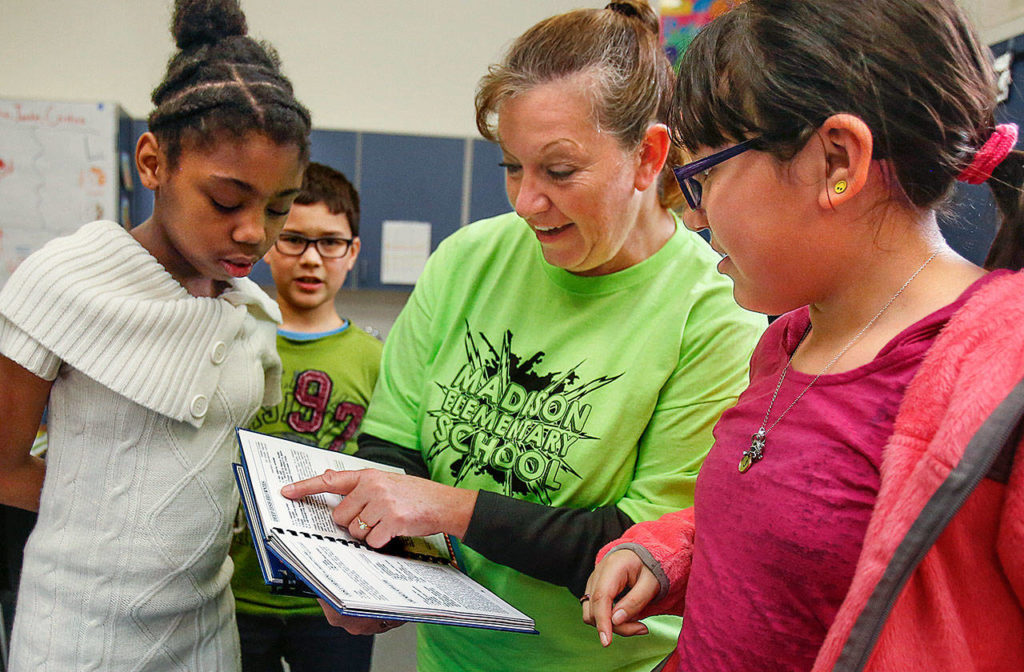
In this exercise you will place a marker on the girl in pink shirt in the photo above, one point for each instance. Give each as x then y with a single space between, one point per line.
824 136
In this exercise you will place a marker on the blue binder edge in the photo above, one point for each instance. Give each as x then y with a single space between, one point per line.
277 571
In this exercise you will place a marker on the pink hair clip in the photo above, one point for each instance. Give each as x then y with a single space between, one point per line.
990 155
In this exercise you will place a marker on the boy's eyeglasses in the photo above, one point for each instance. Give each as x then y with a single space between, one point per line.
691 188
329 247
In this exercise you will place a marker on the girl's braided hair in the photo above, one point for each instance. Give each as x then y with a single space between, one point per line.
223 82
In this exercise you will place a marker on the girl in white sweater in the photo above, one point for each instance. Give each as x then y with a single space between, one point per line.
149 347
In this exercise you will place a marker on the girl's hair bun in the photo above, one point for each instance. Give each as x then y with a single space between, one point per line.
639 10
199 22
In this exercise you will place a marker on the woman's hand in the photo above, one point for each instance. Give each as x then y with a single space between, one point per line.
379 505
357 626
618 571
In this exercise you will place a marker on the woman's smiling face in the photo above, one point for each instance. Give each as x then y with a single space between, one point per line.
573 184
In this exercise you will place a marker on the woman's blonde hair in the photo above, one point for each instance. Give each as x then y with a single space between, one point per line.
627 74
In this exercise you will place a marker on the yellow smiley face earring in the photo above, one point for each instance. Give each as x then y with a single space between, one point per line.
840 186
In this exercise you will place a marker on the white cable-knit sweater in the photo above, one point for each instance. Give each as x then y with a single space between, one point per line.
127 567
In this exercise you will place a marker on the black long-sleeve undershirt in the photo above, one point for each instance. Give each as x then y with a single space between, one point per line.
554 544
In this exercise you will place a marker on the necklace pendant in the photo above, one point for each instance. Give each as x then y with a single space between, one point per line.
745 462
755 453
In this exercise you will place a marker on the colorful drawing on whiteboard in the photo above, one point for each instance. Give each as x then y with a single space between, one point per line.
92 179
682 19
66 159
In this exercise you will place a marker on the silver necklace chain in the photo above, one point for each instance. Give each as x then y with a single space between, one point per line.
756 451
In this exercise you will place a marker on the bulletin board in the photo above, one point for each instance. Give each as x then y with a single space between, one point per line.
682 19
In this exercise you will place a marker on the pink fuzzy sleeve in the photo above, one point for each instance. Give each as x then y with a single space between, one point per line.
669 540
1010 545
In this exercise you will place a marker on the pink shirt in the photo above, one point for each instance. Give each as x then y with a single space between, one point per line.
776 546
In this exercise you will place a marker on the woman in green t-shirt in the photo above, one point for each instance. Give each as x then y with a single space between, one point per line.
557 371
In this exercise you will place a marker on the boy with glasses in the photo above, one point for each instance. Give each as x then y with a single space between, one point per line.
330 368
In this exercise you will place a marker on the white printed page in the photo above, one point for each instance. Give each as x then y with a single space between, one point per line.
362 580
272 463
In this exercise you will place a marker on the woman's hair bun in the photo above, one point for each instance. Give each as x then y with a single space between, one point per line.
199 22
637 9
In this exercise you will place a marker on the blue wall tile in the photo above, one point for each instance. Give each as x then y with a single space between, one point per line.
487 196
411 178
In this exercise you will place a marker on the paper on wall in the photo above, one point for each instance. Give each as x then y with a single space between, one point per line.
405 247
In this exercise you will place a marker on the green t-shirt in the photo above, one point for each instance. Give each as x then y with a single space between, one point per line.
326 383
511 375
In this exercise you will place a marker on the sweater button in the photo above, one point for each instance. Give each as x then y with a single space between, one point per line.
199 405
219 352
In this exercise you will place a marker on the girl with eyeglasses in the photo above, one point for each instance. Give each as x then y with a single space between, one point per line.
822 138
148 347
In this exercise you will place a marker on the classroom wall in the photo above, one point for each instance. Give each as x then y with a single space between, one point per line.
382 67
395 66
387 65
997 20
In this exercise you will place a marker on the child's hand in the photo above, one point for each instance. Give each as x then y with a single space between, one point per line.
616 572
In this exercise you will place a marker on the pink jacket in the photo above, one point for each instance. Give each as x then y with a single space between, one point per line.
962 607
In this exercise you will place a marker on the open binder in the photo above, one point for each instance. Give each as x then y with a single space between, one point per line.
302 551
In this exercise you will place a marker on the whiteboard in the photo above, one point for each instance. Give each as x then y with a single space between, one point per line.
58 170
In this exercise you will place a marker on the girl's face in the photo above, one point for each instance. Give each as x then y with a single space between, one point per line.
574 185
764 219
220 208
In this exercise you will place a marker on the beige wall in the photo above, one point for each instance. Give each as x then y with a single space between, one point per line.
401 66
997 20
405 66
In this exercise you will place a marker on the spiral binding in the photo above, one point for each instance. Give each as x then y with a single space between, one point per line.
358 544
